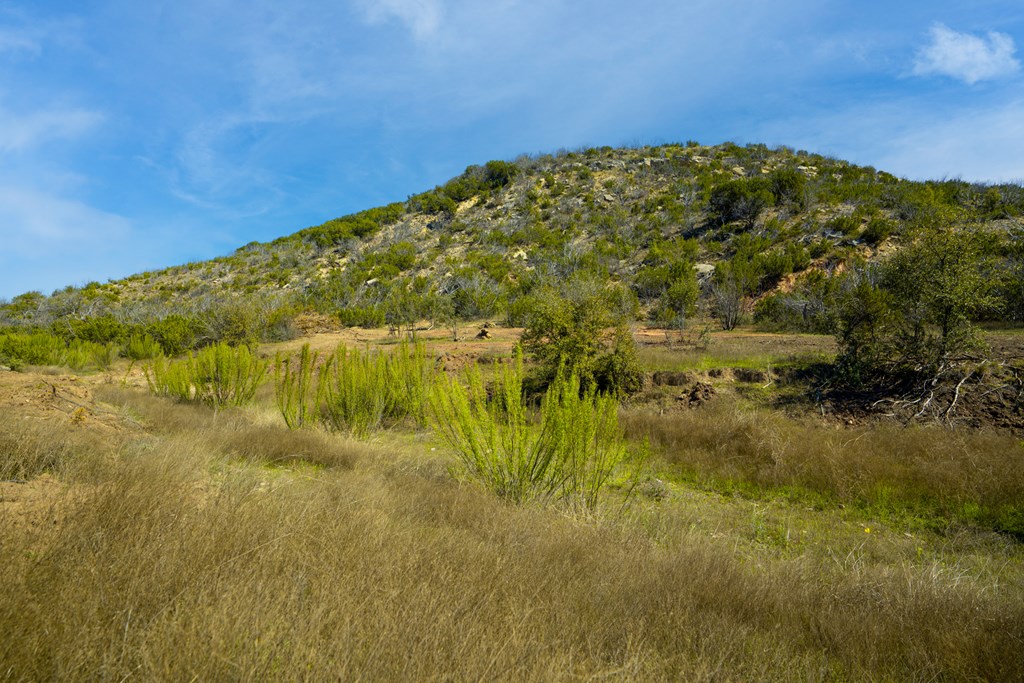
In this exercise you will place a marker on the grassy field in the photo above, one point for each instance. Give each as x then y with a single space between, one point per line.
151 540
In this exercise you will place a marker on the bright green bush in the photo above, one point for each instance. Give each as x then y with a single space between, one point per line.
39 348
218 375
103 355
295 388
359 391
141 346
570 455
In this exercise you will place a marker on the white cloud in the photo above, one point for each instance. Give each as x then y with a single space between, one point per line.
966 57
423 17
19 132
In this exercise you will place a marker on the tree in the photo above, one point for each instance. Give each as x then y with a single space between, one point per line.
726 296
915 313
583 331
941 283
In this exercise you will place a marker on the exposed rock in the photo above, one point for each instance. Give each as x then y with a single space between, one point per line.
704 269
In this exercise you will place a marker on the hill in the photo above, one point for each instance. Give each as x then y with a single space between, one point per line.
682 227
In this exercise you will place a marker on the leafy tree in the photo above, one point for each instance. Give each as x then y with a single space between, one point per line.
916 312
941 284
569 332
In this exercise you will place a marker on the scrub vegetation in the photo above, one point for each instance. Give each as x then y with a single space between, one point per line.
732 413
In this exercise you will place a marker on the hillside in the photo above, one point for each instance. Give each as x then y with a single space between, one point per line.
658 220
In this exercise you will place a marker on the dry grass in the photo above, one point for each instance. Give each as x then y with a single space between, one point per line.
30 446
178 566
974 476
237 433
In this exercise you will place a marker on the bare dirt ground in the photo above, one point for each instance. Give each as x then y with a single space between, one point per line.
41 405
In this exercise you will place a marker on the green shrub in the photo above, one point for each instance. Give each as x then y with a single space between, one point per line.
845 225
878 231
914 313
740 200
619 373
99 329
104 355
142 346
295 388
359 391
570 333
788 186
570 455
39 348
175 333
219 375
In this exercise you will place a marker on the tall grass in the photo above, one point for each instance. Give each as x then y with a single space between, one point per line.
930 471
569 455
174 566
218 375
30 447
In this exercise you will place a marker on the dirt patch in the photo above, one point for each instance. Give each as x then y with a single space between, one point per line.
751 375
744 341
316 323
67 397
971 396
438 341
699 394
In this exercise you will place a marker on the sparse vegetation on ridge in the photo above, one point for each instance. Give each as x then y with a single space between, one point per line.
489 238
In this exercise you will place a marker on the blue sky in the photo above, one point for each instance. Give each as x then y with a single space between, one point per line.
136 135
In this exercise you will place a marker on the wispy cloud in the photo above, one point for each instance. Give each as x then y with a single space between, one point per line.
18 42
41 223
19 132
915 139
423 17
975 144
966 57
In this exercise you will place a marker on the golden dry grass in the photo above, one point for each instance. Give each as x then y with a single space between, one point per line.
975 476
184 557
